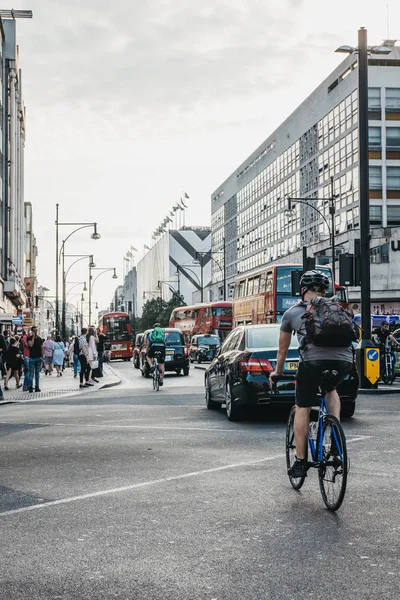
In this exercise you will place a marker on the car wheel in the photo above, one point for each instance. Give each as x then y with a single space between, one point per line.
136 363
186 371
178 371
191 360
232 411
198 360
347 410
211 404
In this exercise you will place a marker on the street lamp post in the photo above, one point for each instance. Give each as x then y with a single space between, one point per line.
332 211
65 274
210 253
363 166
91 284
95 236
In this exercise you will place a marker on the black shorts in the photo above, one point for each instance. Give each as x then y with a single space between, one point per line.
309 377
161 349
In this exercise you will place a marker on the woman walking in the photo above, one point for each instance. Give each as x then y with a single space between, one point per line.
83 353
58 356
48 355
13 363
92 352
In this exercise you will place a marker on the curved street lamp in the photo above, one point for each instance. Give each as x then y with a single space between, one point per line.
91 284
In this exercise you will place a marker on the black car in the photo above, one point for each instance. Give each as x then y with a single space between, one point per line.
176 355
136 350
239 376
204 347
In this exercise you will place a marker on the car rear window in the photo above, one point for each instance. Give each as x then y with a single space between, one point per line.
266 337
173 338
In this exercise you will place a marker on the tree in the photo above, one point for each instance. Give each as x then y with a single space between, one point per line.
176 300
153 312
157 310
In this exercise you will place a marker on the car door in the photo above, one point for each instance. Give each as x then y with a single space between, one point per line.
225 360
213 371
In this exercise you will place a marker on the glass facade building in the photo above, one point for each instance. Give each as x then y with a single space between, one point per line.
318 141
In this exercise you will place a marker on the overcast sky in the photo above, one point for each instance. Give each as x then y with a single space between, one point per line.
131 102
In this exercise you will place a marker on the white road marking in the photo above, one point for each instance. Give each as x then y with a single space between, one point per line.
134 486
147 483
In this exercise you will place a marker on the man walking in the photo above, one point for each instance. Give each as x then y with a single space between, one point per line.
101 338
27 368
36 352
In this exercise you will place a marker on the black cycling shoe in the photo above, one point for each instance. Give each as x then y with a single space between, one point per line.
161 383
298 468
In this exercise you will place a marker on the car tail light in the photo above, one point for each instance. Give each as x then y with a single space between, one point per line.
256 366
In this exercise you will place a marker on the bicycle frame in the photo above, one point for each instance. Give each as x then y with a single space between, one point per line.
323 410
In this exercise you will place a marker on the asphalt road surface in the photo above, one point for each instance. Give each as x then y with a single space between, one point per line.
130 494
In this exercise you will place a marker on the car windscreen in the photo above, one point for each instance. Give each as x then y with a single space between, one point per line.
173 338
208 340
266 337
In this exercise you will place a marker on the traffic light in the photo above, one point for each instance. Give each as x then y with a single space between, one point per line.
296 276
346 269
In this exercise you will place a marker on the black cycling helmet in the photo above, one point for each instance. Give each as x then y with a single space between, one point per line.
156 325
311 279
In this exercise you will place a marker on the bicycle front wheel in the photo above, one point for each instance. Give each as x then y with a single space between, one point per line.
296 482
156 380
333 466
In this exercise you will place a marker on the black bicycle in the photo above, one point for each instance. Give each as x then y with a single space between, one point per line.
327 446
156 371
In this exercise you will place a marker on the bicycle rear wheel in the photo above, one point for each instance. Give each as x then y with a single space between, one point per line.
296 482
333 468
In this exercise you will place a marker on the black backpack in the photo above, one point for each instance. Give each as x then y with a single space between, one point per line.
76 346
328 323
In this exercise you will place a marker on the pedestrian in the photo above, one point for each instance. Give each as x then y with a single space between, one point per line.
14 360
48 355
101 338
36 353
25 355
3 355
92 352
66 353
83 353
58 356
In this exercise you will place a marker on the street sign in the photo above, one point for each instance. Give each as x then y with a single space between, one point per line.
6 317
372 364
27 321
17 320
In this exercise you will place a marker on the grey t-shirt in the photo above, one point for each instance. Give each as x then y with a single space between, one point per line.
292 321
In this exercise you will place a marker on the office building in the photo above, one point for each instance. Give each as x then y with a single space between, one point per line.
317 141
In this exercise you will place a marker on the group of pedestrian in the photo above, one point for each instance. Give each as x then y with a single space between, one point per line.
30 354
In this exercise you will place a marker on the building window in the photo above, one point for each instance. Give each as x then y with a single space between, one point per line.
374 99
393 215
375 215
393 138
393 99
393 178
380 254
375 178
374 137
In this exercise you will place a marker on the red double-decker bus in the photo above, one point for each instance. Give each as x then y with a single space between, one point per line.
215 317
263 296
117 327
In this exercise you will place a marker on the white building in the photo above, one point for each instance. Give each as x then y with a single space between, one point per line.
173 265
317 141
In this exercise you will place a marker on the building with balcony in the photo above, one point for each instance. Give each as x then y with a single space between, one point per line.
317 141
12 135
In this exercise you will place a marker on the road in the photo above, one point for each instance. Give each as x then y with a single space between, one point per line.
130 494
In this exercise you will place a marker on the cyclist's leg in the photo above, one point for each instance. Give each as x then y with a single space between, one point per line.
307 382
161 361
332 397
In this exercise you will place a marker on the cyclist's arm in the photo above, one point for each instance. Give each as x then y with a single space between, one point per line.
284 343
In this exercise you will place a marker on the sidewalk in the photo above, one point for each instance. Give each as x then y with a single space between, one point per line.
51 386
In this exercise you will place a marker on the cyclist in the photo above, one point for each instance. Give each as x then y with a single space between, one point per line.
314 360
380 336
156 343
